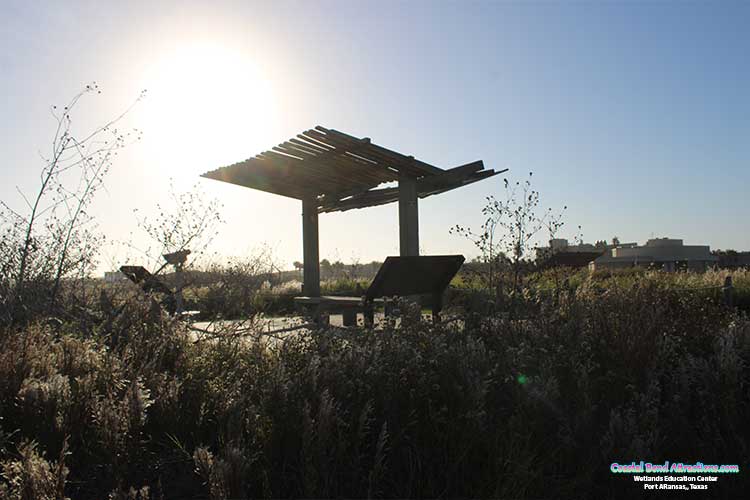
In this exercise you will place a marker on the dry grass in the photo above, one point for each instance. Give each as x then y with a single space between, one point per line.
506 408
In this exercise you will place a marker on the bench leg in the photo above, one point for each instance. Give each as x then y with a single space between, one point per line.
318 315
350 317
388 307
437 306
369 314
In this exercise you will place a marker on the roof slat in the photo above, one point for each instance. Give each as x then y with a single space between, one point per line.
374 168
352 171
341 171
426 186
317 147
312 173
426 168
256 181
362 149
338 168
300 150
315 142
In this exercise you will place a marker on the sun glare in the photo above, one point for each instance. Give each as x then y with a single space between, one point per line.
209 105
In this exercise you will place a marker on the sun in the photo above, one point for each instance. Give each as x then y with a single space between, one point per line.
209 105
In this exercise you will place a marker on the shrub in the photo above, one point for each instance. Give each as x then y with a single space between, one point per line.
503 407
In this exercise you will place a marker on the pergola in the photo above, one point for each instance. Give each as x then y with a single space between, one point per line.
330 171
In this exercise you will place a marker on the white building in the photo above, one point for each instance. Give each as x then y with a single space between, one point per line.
561 245
665 253
114 276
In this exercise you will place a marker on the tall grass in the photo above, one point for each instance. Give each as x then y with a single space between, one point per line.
532 408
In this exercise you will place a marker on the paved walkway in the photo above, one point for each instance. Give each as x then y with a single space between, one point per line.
279 327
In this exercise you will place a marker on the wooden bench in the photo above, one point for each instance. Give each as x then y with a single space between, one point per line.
149 283
424 275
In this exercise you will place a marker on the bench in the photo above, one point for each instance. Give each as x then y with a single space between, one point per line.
149 283
425 275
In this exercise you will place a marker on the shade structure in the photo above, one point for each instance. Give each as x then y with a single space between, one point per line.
331 171
341 172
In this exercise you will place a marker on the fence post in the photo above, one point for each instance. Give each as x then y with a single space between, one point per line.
728 290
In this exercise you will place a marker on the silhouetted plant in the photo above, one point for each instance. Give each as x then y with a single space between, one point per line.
507 235
53 237
190 223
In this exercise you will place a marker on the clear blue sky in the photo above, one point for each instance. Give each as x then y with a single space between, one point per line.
635 115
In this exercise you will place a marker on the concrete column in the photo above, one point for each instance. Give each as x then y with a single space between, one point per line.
311 258
408 215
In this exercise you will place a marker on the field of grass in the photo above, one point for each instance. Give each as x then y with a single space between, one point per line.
622 368
468 288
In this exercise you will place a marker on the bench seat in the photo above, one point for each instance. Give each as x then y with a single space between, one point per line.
321 307
409 276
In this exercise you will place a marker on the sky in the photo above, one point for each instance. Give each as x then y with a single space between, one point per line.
634 115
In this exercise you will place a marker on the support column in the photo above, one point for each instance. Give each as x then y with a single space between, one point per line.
311 258
408 215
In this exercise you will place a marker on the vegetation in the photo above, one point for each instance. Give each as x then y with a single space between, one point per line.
53 237
508 409
469 294
505 239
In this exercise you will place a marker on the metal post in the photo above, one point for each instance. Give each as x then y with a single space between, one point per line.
408 215
728 292
311 259
179 283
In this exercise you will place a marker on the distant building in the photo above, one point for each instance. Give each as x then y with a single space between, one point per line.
730 259
575 260
560 253
114 276
560 245
663 253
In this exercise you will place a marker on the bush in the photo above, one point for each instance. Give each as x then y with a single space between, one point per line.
505 408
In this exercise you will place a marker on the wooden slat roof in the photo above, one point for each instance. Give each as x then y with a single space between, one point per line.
341 171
